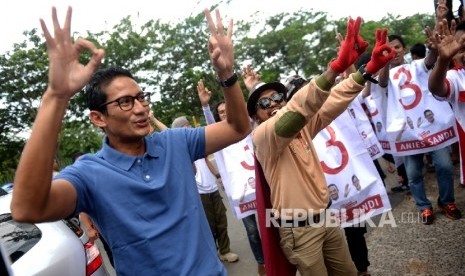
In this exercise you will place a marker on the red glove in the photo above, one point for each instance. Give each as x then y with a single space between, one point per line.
360 45
351 48
381 54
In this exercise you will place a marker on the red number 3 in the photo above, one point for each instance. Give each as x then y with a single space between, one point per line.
338 144
408 85
244 164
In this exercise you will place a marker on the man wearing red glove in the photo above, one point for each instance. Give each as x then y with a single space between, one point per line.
284 149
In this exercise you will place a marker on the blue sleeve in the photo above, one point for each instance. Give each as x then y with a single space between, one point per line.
192 138
72 174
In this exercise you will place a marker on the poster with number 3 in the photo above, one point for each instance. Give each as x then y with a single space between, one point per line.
354 184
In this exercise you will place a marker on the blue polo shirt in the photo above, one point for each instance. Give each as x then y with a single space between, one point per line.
147 207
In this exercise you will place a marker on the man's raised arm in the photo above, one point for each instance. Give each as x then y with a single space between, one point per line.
447 46
34 198
237 125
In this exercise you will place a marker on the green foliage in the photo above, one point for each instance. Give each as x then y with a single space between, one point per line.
169 59
24 79
78 137
10 151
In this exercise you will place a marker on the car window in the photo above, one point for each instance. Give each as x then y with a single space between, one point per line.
17 238
5 268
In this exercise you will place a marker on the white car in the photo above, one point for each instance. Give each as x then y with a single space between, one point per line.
52 248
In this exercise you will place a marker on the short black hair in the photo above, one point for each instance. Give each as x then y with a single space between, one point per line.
333 185
418 49
460 26
398 37
427 110
95 93
76 155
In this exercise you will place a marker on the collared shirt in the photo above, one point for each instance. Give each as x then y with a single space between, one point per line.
147 207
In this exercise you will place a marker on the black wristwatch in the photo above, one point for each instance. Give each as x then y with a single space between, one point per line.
229 82
367 76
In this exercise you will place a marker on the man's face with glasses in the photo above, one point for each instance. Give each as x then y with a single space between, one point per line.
126 103
222 111
127 111
268 104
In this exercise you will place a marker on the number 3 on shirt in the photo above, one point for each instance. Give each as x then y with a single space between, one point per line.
332 142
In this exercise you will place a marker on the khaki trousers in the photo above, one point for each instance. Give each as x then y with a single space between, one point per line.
318 250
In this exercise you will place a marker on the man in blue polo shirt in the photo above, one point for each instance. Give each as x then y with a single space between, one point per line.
139 189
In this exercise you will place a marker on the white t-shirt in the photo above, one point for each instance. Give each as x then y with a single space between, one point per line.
206 181
456 93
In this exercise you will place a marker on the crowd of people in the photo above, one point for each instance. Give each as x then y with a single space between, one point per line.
153 194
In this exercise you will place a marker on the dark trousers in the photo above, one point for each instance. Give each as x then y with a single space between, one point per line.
355 237
251 227
216 216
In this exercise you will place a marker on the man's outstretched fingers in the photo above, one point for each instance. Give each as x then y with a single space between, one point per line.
97 54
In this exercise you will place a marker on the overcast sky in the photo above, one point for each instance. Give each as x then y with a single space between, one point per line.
17 16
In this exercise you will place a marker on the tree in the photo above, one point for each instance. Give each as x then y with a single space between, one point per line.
298 43
24 79
23 73
76 137
183 60
169 59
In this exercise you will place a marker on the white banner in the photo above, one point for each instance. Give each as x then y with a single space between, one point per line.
377 104
236 165
416 121
365 128
354 184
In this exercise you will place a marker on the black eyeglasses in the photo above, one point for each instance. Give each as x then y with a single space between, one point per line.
126 103
265 103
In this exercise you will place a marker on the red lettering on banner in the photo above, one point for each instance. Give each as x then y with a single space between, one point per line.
409 145
427 142
247 206
425 133
385 145
440 137
369 204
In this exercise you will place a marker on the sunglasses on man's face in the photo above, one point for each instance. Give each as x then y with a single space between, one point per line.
265 103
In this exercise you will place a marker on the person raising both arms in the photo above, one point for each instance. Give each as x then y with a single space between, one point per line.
284 149
138 188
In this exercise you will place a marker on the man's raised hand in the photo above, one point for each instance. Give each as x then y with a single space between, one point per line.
220 46
66 75
250 77
204 93
351 47
381 54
